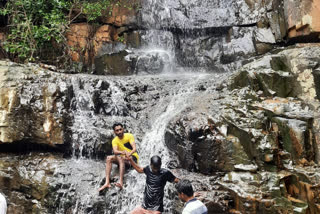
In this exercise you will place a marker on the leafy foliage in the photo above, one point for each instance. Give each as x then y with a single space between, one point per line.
93 10
33 25
37 27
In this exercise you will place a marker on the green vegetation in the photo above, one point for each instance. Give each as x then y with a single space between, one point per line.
93 10
121 39
36 28
33 25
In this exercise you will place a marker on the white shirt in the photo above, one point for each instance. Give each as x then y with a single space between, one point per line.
195 206
3 204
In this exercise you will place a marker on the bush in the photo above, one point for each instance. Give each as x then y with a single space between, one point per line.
36 28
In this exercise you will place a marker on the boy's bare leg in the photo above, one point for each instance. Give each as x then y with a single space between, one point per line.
109 161
121 169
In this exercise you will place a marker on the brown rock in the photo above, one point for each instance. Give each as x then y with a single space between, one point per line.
263 48
302 17
104 34
78 38
18 114
122 15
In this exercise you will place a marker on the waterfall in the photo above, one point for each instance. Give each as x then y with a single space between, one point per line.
144 103
167 95
178 98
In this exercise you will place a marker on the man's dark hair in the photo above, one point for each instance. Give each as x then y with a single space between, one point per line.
156 161
184 186
117 124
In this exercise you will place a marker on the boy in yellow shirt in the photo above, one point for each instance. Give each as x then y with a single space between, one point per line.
123 146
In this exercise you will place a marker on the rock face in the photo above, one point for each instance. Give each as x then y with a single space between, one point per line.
77 37
263 134
25 181
209 35
24 117
249 142
212 35
123 14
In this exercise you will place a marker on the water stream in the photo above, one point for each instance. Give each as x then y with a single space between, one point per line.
166 97
144 103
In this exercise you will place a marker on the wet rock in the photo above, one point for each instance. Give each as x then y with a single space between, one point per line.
24 180
150 62
202 145
113 63
273 197
198 14
264 35
297 79
104 34
256 152
293 133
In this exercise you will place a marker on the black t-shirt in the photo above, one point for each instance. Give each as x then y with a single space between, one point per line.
154 190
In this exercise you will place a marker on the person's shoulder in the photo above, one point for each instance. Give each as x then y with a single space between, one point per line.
163 170
167 172
115 139
146 169
195 205
128 134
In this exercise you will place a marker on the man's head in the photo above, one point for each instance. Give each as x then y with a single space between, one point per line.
155 164
118 129
185 190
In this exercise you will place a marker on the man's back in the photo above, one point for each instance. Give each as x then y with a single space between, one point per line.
195 206
154 189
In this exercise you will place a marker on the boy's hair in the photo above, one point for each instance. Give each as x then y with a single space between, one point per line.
117 124
156 161
184 186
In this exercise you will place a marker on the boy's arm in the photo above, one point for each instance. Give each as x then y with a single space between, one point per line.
117 152
135 166
134 148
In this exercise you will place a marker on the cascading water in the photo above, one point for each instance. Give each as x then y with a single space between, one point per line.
145 104
147 116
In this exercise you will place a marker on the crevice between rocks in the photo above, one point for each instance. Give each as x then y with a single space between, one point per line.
24 147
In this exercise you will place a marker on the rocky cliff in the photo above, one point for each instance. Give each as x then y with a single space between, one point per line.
248 138
250 142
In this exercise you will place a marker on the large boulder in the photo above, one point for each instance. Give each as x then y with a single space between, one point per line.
29 111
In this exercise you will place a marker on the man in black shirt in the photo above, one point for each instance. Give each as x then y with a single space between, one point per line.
156 180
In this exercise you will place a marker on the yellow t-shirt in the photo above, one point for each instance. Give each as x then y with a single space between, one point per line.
124 143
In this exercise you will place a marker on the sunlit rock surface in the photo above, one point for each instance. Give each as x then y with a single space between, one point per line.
301 18
32 105
249 142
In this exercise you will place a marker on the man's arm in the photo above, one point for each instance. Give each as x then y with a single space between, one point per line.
117 152
134 149
135 166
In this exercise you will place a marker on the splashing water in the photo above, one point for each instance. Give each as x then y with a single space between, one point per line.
153 140
166 96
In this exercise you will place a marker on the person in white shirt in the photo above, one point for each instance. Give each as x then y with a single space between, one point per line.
3 204
186 194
